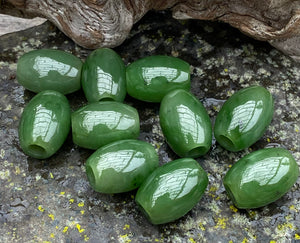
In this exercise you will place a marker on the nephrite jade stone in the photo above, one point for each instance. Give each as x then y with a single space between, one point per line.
185 124
151 78
244 118
45 124
121 166
100 123
48 69
172 190
261 177
103 76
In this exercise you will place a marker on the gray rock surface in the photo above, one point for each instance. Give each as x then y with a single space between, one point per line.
51 200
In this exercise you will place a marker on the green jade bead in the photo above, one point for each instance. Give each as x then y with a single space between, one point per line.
48 69
100 123
121 166
261 177
172 190
45 124
244 118
103 76
151 78
185 124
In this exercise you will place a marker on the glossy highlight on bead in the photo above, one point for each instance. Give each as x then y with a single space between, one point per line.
172 190
185 124
49 69
45 124
151 78
244 118
100 123
121 166
103 76
261 177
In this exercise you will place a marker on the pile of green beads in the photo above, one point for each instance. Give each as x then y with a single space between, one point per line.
121 162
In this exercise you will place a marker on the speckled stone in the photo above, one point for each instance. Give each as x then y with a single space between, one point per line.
51 200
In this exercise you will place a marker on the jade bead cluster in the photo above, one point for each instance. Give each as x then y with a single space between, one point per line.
120 162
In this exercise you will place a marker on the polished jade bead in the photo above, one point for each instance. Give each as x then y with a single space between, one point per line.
48 69
121 166
244 118
261 177
100 123
45 124
172 190
103 76
185 124
151 78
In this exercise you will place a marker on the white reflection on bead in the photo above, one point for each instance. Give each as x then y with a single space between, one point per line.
245 116
111 119
45 65
170 74
44 124
105 82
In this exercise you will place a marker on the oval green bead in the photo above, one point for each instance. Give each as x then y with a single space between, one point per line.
185 124
261 177
172 190
48 69
151 78
121 166
45 124
100 123
244 118
103 76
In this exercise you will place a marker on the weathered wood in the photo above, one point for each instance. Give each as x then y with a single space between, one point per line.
97 23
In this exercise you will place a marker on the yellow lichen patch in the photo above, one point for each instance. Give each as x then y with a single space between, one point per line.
221 223
192 240
86 238
52 235
272 241
201 226
125 238
71 200
230 241
81 204
17 170
212 191
252 214
62 193
82 212
245 240
65 229
51 175
40 207
233 208
80 230
283 227
293 208
225 70
126 226
297 237
51 216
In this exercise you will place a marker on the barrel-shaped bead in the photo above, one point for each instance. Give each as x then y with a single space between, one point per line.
100 123
103 76
172 190
151 78
261 177
49 69
45 124
244 118
121 166
185 124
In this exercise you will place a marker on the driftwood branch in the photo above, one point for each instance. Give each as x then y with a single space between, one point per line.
97 23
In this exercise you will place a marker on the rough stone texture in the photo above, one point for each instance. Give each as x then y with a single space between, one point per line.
51 200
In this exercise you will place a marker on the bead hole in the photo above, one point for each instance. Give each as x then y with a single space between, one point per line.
196 152
36 149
